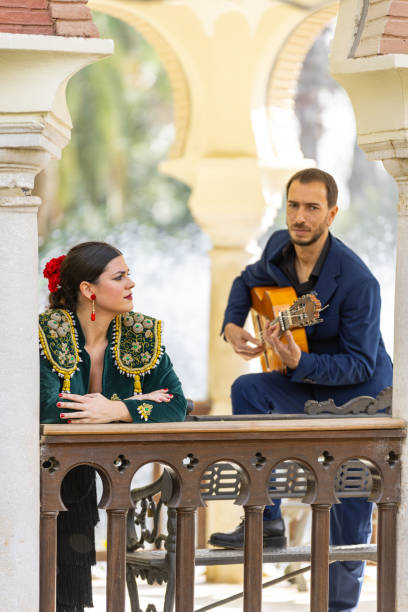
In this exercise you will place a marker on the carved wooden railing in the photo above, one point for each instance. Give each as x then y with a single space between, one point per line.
321 446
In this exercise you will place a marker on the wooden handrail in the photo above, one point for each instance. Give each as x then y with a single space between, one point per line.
205 428
321 445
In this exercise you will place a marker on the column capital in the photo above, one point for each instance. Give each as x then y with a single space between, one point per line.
28 204
35 124
230 194
398 168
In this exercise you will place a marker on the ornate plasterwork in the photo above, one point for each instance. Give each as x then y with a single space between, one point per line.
26 145
210 11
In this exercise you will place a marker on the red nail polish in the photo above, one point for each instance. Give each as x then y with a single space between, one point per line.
59 394
68 421
59 404
171 395
62 416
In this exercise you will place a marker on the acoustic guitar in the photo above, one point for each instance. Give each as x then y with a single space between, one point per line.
281 306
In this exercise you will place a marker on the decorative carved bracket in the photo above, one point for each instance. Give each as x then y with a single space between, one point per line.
360 405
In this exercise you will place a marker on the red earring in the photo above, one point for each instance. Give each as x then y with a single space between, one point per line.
93 298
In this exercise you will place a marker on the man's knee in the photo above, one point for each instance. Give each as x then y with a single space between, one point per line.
243 394
238 393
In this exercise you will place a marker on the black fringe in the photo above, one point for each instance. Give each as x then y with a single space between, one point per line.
76 540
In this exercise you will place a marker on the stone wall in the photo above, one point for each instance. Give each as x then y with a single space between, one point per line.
49 17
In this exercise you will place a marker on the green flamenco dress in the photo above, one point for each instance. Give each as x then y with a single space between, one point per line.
135 362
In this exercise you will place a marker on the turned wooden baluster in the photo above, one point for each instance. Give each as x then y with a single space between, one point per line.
253 558
185 555
116 557
48 560
386 557
319 586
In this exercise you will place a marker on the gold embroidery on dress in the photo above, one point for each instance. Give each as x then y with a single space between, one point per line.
137 346
144 410
59 343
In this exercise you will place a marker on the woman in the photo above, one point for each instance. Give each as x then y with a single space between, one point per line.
101 363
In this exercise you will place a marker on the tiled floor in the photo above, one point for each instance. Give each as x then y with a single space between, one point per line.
279 598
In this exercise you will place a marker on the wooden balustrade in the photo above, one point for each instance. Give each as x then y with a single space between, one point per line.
117 451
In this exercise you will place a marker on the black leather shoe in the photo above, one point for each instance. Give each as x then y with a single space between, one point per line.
273 536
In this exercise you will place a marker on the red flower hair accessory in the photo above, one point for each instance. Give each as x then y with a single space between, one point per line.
52 271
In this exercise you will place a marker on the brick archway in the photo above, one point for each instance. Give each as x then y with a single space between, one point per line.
181 96
281 87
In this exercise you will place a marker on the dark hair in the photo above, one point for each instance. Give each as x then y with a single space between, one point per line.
84 262
309 175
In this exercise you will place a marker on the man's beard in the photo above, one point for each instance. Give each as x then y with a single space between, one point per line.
319 231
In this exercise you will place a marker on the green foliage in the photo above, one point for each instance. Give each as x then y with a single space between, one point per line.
121 110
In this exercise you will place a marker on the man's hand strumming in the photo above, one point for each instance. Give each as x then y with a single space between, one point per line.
242 341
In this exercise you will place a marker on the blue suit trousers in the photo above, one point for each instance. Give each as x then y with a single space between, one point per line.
350 521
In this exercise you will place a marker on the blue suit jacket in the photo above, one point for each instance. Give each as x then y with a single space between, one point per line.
347 356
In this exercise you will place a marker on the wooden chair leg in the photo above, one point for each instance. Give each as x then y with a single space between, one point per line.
48 561
386 557
171 560
132 590
253 559
116 569
319 588
185 547
171 584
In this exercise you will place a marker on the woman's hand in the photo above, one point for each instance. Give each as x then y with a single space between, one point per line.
290 353
92 408
161 395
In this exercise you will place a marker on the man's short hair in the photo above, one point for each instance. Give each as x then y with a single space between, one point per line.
309 175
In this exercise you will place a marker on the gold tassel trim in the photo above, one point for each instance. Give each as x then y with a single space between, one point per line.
137 386
66 387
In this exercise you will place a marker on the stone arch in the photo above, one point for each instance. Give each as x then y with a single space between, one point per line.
282 80
171 63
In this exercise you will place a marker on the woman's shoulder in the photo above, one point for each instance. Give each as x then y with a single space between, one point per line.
57 327
139 322
53 318
138 340
59 342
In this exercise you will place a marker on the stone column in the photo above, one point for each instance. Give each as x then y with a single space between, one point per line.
398 168
19 480
34 126
371 63
228 201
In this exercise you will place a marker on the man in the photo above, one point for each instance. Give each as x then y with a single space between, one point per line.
346 358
